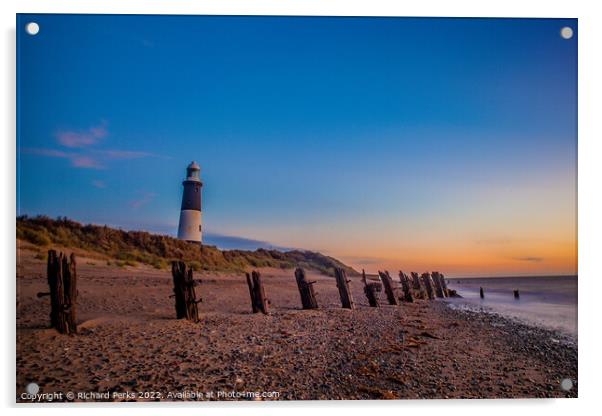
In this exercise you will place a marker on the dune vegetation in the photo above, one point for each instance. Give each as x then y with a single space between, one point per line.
129 248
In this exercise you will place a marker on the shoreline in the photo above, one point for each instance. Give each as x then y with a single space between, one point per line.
560 334
515 327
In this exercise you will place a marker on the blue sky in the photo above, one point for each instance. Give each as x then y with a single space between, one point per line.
351 136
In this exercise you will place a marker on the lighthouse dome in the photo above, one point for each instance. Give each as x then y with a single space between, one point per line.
193 172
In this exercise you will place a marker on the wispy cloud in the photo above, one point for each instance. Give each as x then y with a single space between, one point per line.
144 199
77 160
78 149
529 259
84 138
86 162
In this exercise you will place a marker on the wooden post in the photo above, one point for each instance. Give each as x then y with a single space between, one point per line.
62 281
428 284
516 294
405 285
444 285
306 290
372 291
252 293
438 286
259 302
260 292
388 285
70 291
183 288
418 286
343 286
482 293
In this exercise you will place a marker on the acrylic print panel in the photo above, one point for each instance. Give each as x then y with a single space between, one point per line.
368 208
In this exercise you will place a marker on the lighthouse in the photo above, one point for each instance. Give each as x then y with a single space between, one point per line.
190 213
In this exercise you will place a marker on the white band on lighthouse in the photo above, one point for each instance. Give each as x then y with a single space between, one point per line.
190 225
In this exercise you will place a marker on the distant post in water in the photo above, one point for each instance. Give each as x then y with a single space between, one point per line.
184 293
372 291
62 281
259 302
388 285
405 285
516 294
482 293
306 290
344 290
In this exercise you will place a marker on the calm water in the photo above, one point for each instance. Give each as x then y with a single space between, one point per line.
550 302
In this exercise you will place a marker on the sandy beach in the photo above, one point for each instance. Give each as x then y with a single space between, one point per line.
130 342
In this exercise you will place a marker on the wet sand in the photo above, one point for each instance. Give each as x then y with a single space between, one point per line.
129 342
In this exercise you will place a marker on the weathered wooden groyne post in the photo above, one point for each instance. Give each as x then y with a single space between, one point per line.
259 302
61 273
405 286
481 293
438 285
388 285
516 294
306 290
184 293
444 285
372 291
343 286
428 284
418 286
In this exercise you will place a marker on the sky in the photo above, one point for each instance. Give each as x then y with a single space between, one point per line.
389 143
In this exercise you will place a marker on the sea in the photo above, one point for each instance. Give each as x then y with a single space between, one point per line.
545 301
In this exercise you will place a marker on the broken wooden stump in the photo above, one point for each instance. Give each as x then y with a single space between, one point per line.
453 293
344 290
516 294
405 286
389 289
306 290
184 293
259 302
62 281
481 293
372 291
438 285
418 287
429 285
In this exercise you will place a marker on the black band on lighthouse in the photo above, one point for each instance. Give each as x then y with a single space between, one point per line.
191 199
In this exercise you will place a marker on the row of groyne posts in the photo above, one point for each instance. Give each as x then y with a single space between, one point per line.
426 286
62 282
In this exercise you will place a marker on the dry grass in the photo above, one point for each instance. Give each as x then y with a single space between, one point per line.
128 248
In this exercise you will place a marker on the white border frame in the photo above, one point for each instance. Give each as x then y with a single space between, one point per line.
590 206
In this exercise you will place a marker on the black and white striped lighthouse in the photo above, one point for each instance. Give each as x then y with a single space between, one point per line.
190 214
